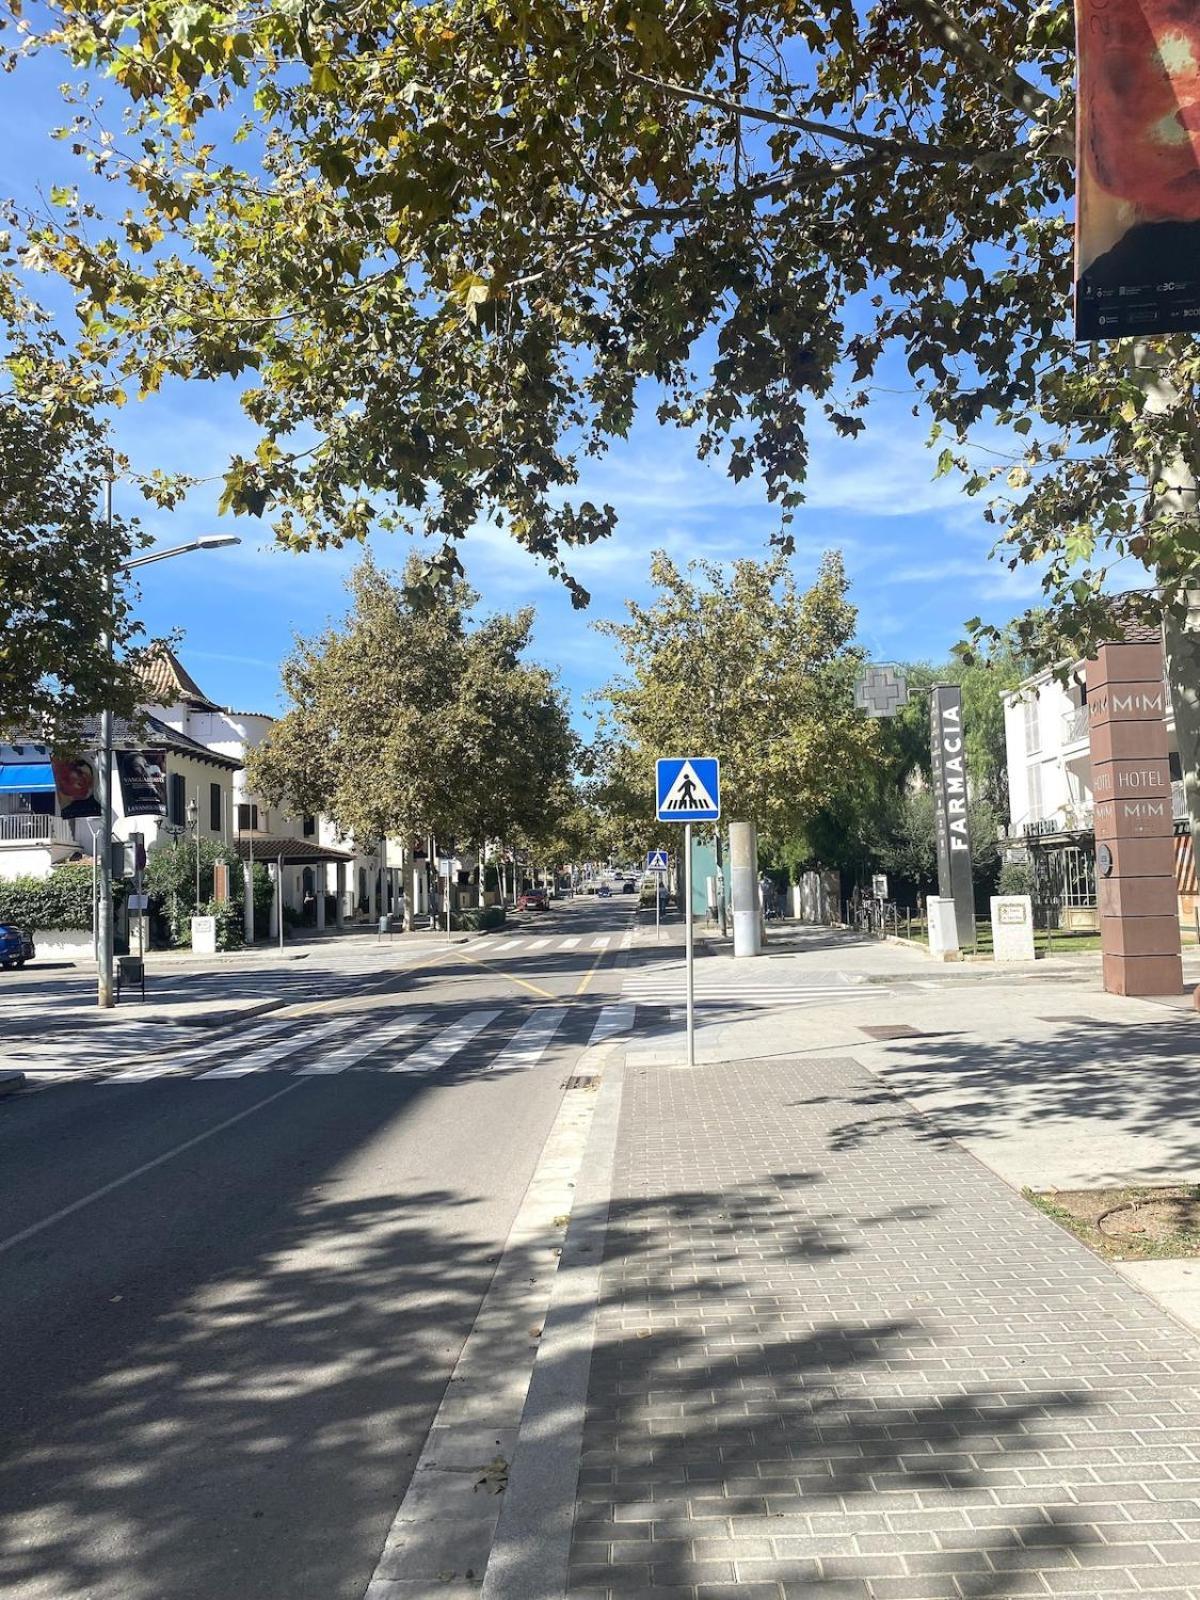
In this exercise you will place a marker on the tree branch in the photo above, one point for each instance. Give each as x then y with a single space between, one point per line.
882 145
972 53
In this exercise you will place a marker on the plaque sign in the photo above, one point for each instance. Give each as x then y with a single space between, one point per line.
950 806
1131 789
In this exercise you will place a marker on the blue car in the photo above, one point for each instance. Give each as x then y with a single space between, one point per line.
16 948
604 892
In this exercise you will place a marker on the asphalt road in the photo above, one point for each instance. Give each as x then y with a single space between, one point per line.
232 1290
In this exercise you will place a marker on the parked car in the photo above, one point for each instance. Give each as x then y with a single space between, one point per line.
533 900
16 948
628 887
604 892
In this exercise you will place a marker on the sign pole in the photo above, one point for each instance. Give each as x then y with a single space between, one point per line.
658 889
687 926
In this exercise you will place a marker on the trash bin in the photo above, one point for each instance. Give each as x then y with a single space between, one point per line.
385 925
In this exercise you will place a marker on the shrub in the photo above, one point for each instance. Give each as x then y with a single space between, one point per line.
61 902
479 920
1015 878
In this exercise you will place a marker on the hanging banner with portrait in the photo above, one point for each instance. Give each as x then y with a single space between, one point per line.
1137 229
143 775
75 781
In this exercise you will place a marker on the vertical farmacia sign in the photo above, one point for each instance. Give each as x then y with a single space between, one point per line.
949 760
1137 231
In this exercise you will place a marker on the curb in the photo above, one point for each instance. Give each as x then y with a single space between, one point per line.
11 1081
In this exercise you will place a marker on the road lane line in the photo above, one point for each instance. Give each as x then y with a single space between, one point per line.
257 1060
570 944
601 941
523 983
362 1046
432 1056
147 1166
528 1045
537 944
611 1021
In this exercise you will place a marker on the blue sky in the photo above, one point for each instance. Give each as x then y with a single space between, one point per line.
916 550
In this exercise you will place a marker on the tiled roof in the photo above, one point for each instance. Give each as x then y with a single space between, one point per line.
168 681
149 732
295 852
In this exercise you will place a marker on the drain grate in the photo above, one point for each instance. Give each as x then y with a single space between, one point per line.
892 1030
590 1081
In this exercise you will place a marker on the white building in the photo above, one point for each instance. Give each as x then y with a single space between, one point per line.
1047 741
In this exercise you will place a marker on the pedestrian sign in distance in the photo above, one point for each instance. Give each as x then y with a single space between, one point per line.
656 861
688 789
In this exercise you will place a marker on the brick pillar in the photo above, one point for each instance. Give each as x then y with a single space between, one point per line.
1131 788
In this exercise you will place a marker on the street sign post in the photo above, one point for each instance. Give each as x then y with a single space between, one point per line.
687 790
658 861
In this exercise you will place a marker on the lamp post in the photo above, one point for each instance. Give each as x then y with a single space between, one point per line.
104 914
193 822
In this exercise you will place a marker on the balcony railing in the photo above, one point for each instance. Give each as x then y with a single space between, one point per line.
1076 725
1179 808
25 828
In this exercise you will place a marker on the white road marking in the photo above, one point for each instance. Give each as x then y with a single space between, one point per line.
503 946
363 1045
438 1051
528 1045
537 944
611 1021
147 1166
260 1060
570 944
602 941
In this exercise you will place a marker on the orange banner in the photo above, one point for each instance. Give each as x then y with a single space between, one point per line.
1137 232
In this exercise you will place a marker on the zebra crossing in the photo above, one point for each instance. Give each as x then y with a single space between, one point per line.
508 945
489 1039
758 986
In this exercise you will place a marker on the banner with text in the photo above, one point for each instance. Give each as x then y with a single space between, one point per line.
1137 228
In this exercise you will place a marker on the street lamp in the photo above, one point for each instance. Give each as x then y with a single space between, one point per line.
104 917
193 822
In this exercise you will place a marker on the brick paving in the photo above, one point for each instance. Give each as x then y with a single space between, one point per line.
836 1357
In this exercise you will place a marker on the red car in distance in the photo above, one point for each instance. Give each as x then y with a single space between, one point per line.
533 900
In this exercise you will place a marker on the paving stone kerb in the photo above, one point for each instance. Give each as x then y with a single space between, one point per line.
835 1356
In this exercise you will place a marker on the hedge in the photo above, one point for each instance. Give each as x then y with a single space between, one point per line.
478 921
59 903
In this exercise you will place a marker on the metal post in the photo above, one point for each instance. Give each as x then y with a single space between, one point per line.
687 935
104 903
279 898
137 889
197 838
658 889
447 905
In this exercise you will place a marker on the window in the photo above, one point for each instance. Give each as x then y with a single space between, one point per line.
214 807
247 819
1035 793
310 827
177 800
1033 731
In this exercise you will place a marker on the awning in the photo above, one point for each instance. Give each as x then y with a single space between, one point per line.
269 847
26 778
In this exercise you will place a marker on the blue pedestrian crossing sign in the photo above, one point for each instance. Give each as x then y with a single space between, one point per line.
688 789
656 861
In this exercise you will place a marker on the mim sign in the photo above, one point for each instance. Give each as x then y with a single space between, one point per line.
950 806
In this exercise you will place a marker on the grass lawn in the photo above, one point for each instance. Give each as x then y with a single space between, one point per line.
1129 1224
1057 941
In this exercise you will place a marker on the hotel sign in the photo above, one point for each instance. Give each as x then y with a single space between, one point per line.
950 805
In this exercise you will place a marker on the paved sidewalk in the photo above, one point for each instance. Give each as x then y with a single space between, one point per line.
836 1357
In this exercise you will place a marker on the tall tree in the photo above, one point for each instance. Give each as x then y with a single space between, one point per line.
405 720
745 665
467 230
67 634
